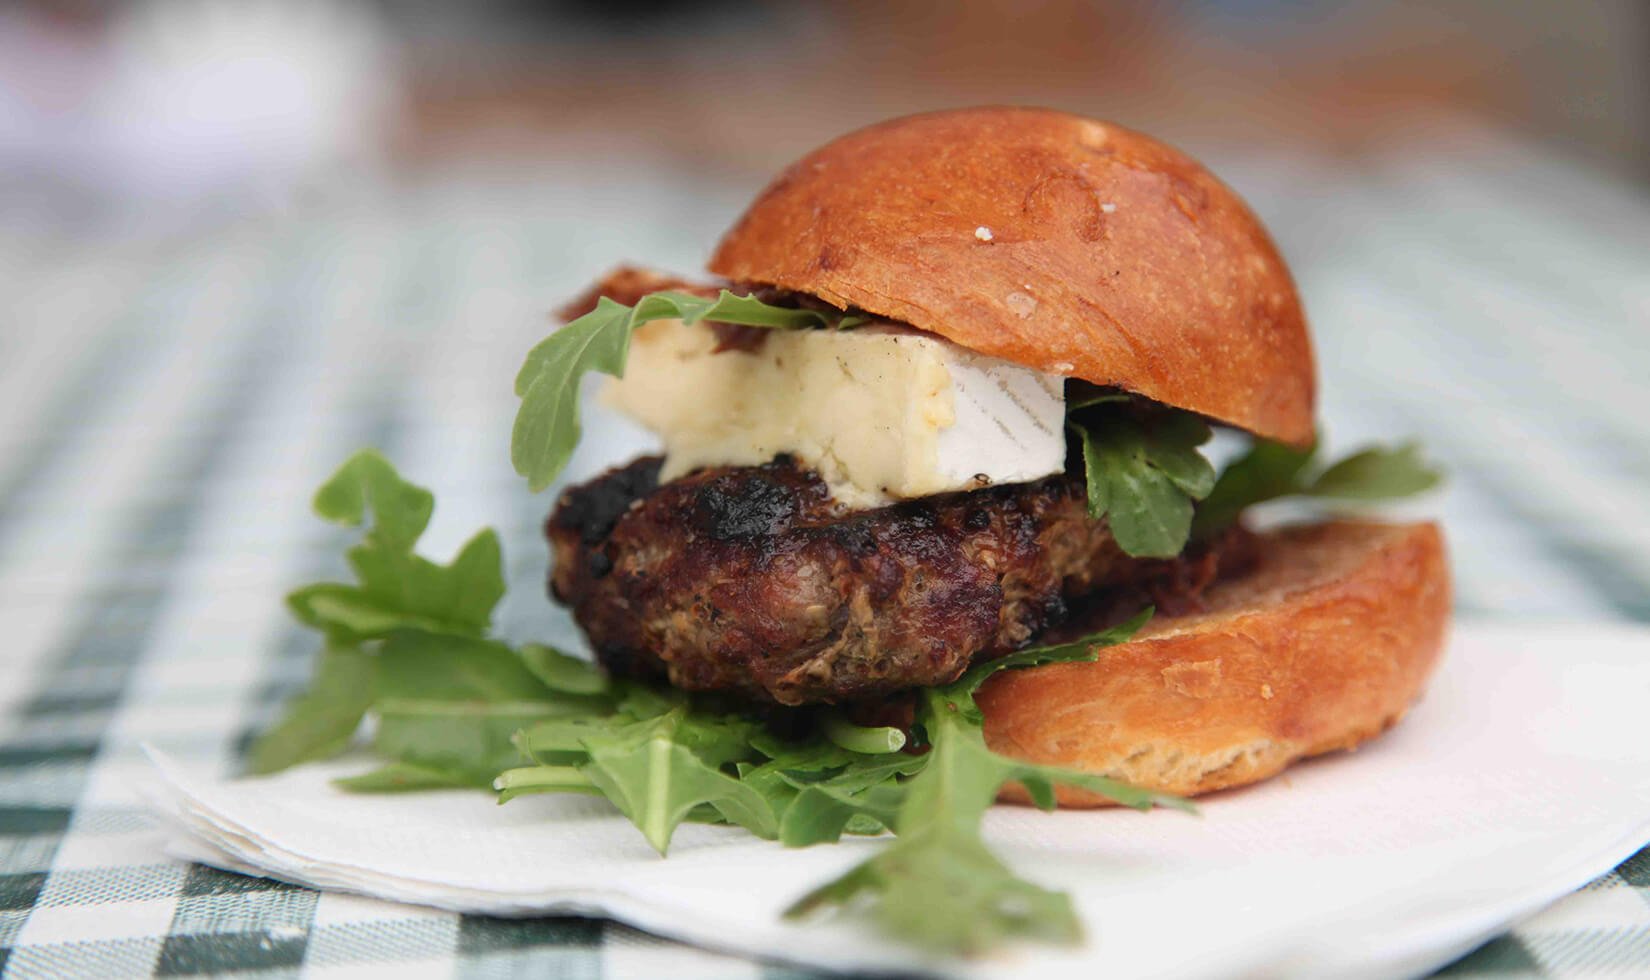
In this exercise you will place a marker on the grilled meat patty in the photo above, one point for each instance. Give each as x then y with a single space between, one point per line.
752 580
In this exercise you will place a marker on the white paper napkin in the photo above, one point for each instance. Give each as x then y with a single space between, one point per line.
1524 774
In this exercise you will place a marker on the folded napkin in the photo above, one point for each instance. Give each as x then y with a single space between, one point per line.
1524 774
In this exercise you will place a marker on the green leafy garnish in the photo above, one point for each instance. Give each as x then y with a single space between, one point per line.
562 673
395 588
409 642
547 424
1083 650
405 777
1147 477
456 707
938 884
857 738
1271 471
656 780
1377 474
1144 476
321 722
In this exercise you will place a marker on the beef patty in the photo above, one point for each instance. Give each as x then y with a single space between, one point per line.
752 580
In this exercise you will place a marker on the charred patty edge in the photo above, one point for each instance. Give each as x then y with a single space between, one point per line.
753 581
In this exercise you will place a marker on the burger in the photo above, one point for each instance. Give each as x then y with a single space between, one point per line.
946 401
935 521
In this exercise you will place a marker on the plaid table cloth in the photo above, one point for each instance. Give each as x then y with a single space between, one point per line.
168 406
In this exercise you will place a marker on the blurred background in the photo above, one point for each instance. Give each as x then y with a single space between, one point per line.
241 238
189 101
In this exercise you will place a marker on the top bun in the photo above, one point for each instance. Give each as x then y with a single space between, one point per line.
1066 244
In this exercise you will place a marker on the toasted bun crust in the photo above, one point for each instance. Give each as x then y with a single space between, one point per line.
1070 245
1326 643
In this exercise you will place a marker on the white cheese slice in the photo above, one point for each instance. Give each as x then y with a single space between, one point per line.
882 413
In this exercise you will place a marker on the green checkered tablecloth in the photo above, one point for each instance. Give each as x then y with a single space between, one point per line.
168 405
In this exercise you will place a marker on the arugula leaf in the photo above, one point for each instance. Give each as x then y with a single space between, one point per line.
1271 471
404 777
715 739
860 774
822 813
850 788
475 739
1039 780
527 780
938 884
1147 507
561 672
401 510
747 311
639 701
437 667
320 723
425 619
396 588
547 424
858 738
821 791
656 781
560 741
455 703
1084 650
656 770
1143 473
805 755
1171 447
1377 474
814 815
455 708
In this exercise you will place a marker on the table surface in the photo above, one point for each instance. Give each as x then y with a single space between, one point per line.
168 406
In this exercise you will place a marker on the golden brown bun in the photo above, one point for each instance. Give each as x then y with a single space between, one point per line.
1326 643
1112 257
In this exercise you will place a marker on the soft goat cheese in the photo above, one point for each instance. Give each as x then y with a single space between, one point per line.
882 413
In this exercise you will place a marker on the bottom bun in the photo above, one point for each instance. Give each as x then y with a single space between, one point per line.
1325 643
